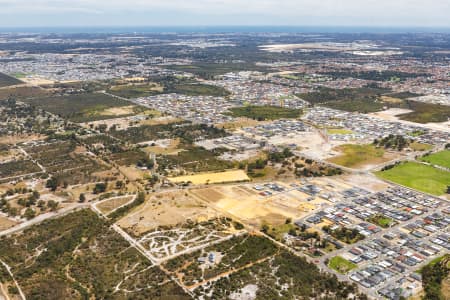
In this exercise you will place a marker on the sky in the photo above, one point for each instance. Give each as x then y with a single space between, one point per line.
85 13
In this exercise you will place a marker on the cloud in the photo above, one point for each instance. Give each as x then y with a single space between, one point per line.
208 12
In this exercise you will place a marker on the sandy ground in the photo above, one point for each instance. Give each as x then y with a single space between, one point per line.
6 223
109 205
126 122
246 204
392 113
239 123
164 147
161 121
366 181
132 173
166 209
15 139
221 177
118 111
35 80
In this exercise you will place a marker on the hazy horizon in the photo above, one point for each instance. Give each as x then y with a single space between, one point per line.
366 13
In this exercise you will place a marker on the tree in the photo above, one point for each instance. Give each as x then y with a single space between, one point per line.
119 184
99 188
52 205
82 198
29 213
52 184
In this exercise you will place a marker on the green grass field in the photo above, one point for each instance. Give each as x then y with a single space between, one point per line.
341 265
358 155
262 113
381 221
439 159
418 176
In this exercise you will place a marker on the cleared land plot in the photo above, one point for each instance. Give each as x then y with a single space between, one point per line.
165 243
420 147
341 265
107 206
418 176
210 178
262 113
6 223
247 205
85 107
6 80
136 91
78 256
165 209
439 159
357 156
339 131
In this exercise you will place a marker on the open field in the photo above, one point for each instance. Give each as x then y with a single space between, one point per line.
262 113
341 265
165 147
210 178
339 131
6 223
420 147
247 205
136 90
440 159
83 258
85 107
359 156
238 123
165 209
109 205
418 176
6 80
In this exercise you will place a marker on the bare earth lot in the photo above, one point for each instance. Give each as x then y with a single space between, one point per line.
166 209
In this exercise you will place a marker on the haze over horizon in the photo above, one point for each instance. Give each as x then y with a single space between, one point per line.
370 13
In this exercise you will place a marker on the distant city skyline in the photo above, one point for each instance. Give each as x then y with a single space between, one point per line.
82 13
